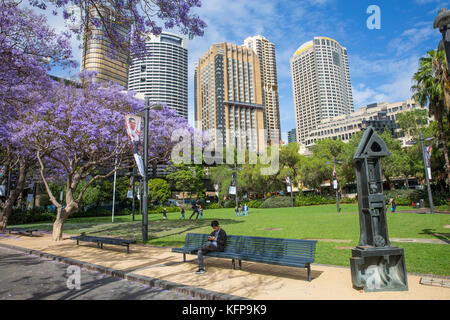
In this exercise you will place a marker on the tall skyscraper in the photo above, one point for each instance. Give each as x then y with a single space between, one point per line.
292 136
96 53
229 97
162 74
321 84
268 63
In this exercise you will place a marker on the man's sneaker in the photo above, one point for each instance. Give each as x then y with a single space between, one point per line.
200 271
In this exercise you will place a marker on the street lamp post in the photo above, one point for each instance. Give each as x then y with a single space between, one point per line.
8 185
430 196
145 178
235 173
442 22
290 187
335 185
133 205
335 182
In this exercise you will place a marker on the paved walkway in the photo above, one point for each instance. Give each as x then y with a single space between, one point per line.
255 281
25 277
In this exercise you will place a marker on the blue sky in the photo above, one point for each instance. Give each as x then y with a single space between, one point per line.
382 62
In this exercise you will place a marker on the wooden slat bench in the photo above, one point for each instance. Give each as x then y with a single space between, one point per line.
102 240
283 252
25 231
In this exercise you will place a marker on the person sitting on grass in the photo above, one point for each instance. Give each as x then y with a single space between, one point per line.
216 242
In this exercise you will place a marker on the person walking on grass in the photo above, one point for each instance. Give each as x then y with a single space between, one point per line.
165 214
216 242
236 210
246 210
182 214
392 204
195 210
241 211
200 211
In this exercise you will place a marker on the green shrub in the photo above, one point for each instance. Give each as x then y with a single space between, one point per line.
277 202
160 210
348 200
312 200
19 217
255 204
406 197
229 203
211 206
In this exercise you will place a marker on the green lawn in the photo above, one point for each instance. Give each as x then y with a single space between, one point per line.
317 222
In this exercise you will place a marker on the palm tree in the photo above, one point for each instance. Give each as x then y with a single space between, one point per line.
429 89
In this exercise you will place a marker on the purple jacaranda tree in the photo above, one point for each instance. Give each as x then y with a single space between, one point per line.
28 48
138 17
80 132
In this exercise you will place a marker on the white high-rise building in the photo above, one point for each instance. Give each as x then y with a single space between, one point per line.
268 64
321 84
162 74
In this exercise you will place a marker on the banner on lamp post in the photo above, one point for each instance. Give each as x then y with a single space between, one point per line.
232 190
428 160
130 194
133 126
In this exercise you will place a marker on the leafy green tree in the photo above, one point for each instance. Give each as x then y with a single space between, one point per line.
186 178
319 167
346 171
413 123
428 88
314 171
290 161
221 175
159 190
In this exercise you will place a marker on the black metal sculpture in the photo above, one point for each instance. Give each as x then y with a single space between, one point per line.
376 265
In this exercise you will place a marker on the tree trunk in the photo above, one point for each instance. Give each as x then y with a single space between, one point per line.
390 184
61 216
4 214
443 139
6 208
58 228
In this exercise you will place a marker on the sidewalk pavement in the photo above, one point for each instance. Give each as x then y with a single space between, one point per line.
255 281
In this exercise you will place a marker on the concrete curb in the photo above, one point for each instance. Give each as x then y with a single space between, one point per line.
153 282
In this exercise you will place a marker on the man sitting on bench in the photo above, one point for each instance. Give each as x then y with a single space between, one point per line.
216 242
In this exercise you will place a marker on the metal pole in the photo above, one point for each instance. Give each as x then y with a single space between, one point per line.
337 189
140 197
34 201
115 181
145 196
8 185
235 172
134 195
292 192
430 196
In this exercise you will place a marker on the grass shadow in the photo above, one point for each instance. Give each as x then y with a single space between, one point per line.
441 236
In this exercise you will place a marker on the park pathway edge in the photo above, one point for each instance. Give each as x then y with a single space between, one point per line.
153 282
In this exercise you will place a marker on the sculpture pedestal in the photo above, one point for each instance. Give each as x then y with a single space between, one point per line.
379 269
